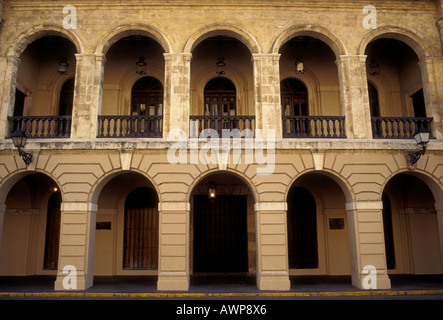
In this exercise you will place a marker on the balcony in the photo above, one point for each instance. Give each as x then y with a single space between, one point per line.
219 123
314 127
399 127
138 126
41 127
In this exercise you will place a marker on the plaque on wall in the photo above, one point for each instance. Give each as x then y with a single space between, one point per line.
105 225
336 223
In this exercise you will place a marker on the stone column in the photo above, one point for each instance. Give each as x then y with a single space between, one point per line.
77 242
268 114
2 218
272 247
439 209
87 95
432 77
173 266
367 244
8 77
177 88
354 97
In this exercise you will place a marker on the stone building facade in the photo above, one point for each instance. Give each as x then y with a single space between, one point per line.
327 96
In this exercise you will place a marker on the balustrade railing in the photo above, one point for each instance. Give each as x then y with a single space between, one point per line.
398 127
314 127
129 126
41 127
245 124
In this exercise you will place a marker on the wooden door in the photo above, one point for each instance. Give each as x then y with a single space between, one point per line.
141 238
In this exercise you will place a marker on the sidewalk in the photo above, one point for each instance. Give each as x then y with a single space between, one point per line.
220 287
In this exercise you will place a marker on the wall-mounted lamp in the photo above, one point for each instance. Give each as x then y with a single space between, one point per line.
299 65
63 66
212 191
141 66
19 139
422 139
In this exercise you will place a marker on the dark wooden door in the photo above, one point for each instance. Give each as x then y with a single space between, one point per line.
220 234
52 233
141 238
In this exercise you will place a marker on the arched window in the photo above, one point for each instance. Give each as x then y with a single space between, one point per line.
66 98
147 97
294 98
373 100
220 97
141 230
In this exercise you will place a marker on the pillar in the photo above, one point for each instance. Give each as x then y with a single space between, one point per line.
354 96
173 266
432 77
439 210
2 219
77 241
272 248
87 95
267 93
367 244
177 92
8 77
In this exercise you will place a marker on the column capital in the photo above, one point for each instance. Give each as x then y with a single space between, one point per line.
271 206
364 205
79 207
174 206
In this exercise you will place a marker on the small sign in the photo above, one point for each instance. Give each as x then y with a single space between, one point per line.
336 223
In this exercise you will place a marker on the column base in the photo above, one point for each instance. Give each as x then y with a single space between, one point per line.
274 281
174 281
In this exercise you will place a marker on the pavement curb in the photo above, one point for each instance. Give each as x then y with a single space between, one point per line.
210 295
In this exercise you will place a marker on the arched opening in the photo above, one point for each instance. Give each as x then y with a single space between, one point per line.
223 232
310 93
31 227
48 60
400 112
127 234
318 240
134 90
374 104
414 247
222 95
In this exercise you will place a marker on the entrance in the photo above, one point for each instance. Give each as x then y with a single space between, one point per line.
220 234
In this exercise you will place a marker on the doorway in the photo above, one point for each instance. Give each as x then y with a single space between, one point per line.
220 234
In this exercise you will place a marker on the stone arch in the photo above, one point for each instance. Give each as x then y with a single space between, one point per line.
416 43
222 29
101 183
344 185
245 179
9 181
318 32
123 31
433 183
22 40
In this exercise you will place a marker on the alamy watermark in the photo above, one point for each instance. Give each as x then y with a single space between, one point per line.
70 280
233 147
370 281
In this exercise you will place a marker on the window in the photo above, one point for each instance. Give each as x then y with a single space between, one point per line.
294 98
220 97
147 97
